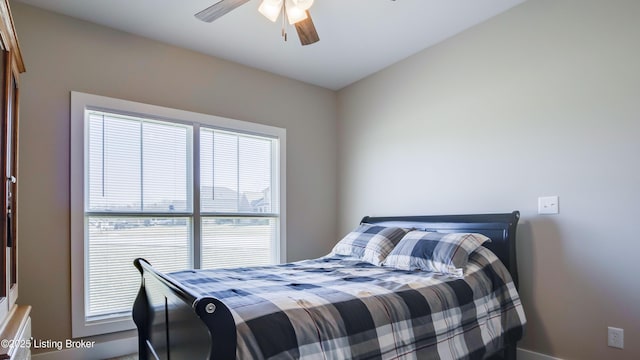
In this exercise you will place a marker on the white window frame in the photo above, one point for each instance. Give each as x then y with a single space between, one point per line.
81 102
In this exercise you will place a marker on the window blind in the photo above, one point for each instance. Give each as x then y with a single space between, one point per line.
140 195
236 173
136 166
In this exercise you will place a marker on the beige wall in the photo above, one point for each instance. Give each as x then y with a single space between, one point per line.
541 100
63 54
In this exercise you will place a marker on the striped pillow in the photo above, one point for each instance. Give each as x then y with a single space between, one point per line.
445 253
369 243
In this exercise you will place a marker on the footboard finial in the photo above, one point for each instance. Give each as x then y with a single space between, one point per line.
138 265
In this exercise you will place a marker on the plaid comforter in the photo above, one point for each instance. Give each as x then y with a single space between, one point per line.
341 308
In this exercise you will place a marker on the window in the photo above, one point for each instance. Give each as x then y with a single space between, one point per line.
180 189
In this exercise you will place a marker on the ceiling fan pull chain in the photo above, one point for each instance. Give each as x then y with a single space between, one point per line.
284 30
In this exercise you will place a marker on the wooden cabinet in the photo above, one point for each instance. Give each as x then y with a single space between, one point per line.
15 322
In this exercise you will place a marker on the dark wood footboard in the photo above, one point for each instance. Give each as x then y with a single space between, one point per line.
173 323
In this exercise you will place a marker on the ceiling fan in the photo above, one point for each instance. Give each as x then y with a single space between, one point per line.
296 11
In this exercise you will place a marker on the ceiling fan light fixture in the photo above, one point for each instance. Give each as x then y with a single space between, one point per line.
294 13
271 9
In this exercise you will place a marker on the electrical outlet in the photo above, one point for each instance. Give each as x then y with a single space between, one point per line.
615 337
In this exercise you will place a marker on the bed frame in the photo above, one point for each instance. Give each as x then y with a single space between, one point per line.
174 323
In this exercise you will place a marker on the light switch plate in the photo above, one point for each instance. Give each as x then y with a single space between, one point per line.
548 205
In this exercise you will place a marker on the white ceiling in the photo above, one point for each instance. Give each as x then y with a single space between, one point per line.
357 37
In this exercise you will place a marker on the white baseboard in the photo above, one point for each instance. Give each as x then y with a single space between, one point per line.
100 351
530 355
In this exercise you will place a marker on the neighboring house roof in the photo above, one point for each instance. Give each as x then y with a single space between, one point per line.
223 199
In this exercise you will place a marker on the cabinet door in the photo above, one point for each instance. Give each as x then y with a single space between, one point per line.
11 176
4 250
8 193
11 65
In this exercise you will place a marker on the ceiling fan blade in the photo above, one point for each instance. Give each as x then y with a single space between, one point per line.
307 31
218 9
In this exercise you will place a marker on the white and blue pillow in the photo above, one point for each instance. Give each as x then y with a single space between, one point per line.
445 253
369 243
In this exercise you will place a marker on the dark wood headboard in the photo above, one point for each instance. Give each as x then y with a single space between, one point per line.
500 228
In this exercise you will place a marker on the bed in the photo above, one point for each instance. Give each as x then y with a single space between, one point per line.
340 307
